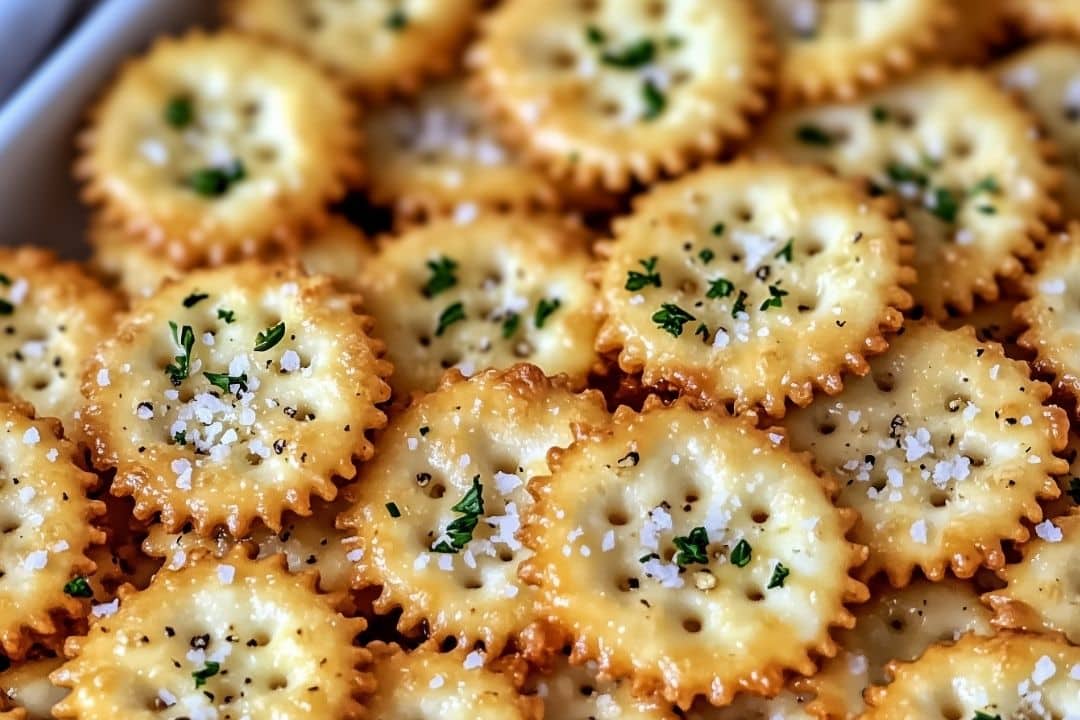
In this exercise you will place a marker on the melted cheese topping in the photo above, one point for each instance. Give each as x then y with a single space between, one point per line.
222 638
492 433
962 158
602 92
28 686
673 536
942 449
753 283
269 405
574 692
484 292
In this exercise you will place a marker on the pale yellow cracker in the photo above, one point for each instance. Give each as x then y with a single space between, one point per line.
1042 592
46 530
1046 17
1008 676
1069 483
602 93
234 394
691 553
995 321
575 692
230 637
894 625
964 159
944 448
788 705
426 684
1046 77
1050 314
753 283
435 514
213 147
29 688
52 315
428 155
374 47
483 292
839 48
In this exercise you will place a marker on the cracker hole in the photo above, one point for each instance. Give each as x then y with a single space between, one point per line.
41 383
806 307
950 711
610 107
587 690
523 349
755 595
473 584
885 383
563 59
450 361
938 498
827 427
506 555
759 516
261 639
437 490
424 340
278 682
313 21
10 526
813 248
656 9
617 518
904 118
689 286
744 214
627 583
691 625
962 148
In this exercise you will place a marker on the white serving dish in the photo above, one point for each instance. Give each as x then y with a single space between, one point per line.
38 199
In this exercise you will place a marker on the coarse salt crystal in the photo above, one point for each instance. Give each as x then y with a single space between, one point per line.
1052 286
106 609
182 468
1044 670
290 361
103 377
36 560
26 494
357 555
918 531
226 573
607 544
506 483
412 443
436 682
31 436
1048 531
52 454
474 660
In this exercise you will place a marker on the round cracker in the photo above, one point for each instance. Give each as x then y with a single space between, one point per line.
753 283
943 449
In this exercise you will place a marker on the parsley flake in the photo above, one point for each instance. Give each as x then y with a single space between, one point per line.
634 55
510 325
636 281
216 181
703 331
6 308
194 299
4 279
544 309
787 252
180 437
671 318
945 205
741 553
595 35
987 185
1074 490
452 314
209 670
740 304
179 112
880 114
775 299
392 508
718 229
779 575
706 256
980 715
180 367
225 380
270 337
719 288
655 101
396 20
227 315
692 548
442 276
646 558
459 532
78 587
813 135
900 173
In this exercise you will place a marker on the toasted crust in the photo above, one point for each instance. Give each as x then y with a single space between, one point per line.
29 688
519 282
722 242
293 417
293 129
1046 17
840 49
1069 500
943 449
496 427
540 69
53 314
966 162
426 684
46 529
575 692
606 526
894 625
428 156
1011 675
1042 592
1043 76
995 321
981 26
362 42
1048 313
232 621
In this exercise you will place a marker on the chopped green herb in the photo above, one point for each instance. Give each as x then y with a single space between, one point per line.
647 558
945 205
929 162
987 209
718 229
786 252
460 531
544 309
179 112
216 181
424 430
393 510
180 437
703 331
813 135
673 42
209 670
78 587
692 548
452 314
719 288
180 367
510 325
442 276
671 319
636 280
633 55
595 35
980 715
1074 490
987 185
6 308
270 337
227 315
740 554
706 256
4 279
194 299
900 173
574 156
397 19
779 575
880 114
775 299
655 100
225 380
740 304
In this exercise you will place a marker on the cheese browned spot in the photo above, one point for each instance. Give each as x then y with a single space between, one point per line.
575 692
